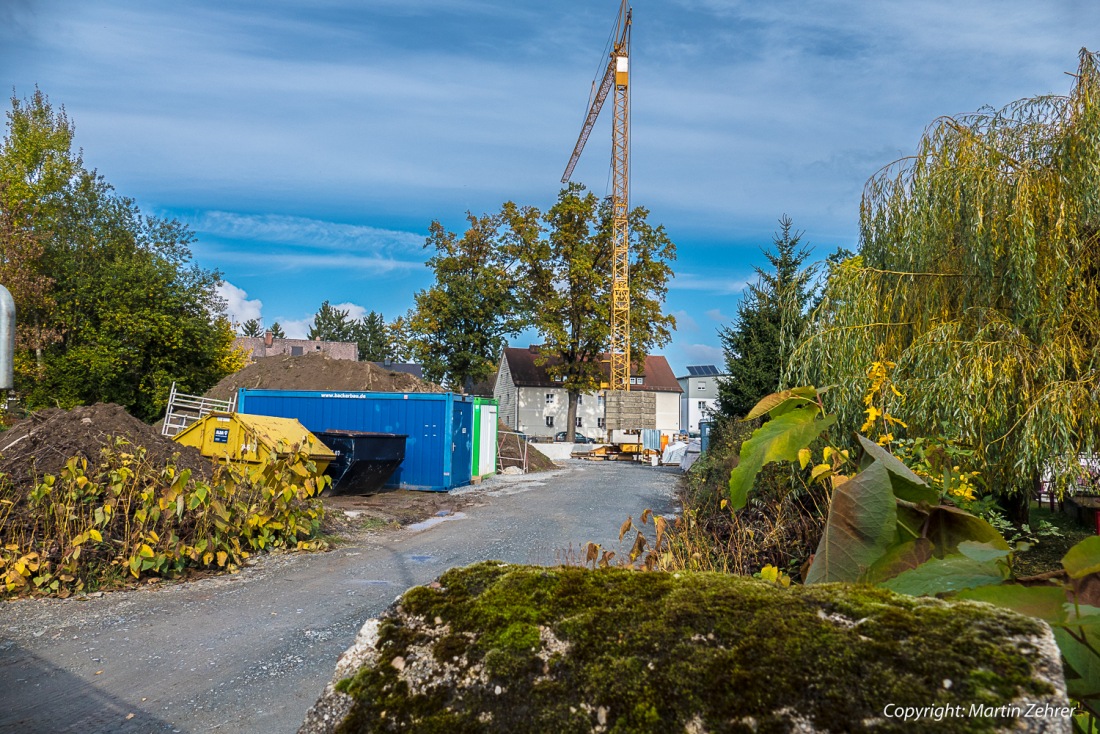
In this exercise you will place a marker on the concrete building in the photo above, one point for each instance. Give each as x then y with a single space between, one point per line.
268 346
532 402
700 395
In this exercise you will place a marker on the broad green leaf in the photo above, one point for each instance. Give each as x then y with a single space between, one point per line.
898 558
1043 602
1081 662
860 528
788 399
948 526
953 573
982 551
777 440
906 484
1083 558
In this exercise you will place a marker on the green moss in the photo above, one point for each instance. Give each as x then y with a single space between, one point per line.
656 650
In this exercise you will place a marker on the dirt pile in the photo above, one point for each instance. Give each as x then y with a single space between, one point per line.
42 443
511 449
317 372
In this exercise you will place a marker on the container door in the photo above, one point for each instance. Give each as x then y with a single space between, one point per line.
487 439
462 444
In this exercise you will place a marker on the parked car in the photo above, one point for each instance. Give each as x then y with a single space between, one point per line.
578 438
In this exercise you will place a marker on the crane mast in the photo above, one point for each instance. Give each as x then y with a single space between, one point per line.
617 77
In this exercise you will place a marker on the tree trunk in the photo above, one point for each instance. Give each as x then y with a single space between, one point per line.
571 418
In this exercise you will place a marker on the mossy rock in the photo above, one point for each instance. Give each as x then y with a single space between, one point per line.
503 648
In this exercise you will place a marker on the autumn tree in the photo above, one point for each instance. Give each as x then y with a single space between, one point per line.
567 286
462 321
977 278
111 306
770 321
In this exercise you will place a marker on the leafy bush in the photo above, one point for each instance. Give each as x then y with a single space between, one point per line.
780 524
132 519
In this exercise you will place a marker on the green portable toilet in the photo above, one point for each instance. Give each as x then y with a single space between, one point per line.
485 438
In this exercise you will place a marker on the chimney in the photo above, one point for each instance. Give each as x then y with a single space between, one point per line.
268 339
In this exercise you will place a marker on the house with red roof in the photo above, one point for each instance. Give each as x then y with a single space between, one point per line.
532 402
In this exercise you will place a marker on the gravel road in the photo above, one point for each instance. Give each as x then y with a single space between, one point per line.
251 652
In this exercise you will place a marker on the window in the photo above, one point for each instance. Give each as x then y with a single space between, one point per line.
599 423
580 399
549 421
549 398
599 401
702 405
637 380
295 351
559 378
580 422
702 385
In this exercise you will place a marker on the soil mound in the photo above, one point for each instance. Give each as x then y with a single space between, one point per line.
511 448
317 372
42 443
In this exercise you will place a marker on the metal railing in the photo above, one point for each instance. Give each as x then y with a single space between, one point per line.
184 409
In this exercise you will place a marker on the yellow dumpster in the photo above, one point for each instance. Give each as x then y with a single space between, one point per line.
252 439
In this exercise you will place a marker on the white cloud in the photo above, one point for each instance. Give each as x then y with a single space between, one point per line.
684 321
355 311
237 304
709 284
702 354
717 315
296 328
302 231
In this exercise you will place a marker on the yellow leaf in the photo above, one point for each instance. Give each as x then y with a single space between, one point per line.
804 457
95 535
826 453
222 558
820 471
145 551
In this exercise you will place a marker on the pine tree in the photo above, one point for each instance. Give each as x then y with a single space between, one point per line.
331 324
770 321
277 331
251 328
370 334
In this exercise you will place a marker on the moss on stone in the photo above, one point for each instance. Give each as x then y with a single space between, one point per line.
569 649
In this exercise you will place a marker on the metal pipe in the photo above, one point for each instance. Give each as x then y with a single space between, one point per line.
7 339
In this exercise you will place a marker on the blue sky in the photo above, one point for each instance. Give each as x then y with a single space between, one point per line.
309 145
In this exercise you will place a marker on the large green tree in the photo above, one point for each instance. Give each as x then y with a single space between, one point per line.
331 324
978 276
567 286
462 321
370 334
770 321
115 310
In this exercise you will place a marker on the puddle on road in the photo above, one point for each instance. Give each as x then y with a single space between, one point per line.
421 559
433 521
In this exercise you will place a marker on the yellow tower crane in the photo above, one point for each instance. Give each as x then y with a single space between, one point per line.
617 76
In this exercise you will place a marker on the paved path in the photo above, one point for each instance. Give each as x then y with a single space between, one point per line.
251 652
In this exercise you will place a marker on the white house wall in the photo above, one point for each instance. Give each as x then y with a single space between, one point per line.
534 409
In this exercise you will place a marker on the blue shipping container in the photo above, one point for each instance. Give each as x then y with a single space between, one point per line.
439 426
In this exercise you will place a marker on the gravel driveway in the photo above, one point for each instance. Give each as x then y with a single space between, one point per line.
251 652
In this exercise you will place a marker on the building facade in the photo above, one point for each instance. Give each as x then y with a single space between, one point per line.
700 396
268 346
533 403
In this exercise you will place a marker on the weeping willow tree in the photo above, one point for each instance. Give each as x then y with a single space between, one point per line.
978 277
